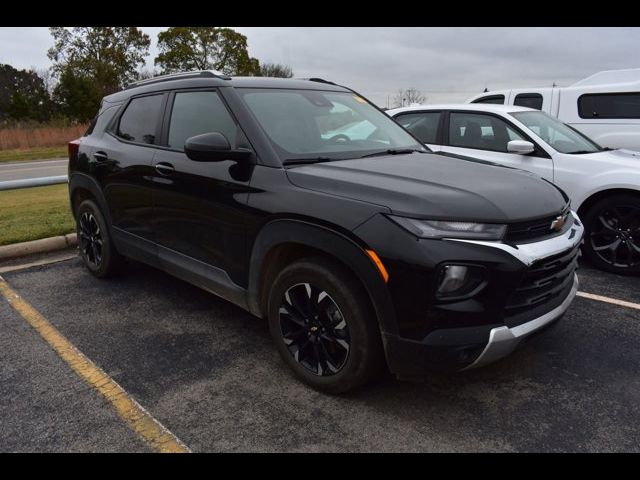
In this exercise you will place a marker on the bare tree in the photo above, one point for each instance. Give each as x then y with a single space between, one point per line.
409 96
275 70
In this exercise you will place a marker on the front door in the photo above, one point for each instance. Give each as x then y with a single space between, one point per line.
199 207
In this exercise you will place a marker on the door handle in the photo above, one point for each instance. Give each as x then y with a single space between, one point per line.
164 168
101 156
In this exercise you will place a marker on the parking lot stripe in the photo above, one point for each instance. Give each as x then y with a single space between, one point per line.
47 261
613 301
147 427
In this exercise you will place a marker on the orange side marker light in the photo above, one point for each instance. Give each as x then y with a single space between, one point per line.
378 262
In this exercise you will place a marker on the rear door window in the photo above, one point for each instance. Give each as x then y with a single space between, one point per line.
139 122
423 125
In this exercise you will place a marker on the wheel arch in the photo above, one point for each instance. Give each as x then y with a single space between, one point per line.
285 240
83 187
595 197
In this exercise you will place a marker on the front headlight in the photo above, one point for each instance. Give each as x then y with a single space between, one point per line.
446 229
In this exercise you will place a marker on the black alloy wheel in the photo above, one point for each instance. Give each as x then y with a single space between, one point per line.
612 240
314 329
90 239
323 325
94 242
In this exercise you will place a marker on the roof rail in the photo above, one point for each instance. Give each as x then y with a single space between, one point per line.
178 76
319 80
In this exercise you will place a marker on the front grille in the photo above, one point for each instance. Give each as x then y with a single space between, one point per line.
534 229
543 281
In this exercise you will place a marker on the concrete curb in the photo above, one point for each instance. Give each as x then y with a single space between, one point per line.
43 245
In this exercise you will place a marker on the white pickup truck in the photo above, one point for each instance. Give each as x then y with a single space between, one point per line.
604 106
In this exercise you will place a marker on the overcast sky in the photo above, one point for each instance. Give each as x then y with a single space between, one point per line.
446 64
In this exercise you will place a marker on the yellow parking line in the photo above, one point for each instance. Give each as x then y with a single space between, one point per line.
613 301
151 431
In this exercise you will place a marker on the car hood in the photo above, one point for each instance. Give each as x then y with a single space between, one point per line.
440 186
610 158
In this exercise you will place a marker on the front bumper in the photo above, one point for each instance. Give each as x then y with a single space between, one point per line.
465 339
503 340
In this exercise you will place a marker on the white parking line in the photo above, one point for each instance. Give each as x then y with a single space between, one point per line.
613 301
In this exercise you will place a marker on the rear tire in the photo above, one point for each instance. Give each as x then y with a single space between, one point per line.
324 326
94 242
612 239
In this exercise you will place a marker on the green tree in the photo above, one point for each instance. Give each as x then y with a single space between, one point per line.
275 70
106 57
77 96
23 95
205 48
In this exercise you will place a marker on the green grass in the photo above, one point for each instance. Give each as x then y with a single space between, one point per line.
33 213
36 153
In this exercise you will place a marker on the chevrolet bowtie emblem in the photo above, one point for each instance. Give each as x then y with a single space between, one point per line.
558 223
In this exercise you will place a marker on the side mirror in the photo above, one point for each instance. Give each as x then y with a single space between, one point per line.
213 147
521 147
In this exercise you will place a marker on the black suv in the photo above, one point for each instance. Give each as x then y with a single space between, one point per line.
303 203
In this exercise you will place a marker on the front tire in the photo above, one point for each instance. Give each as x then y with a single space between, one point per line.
323 325
95 245
612 240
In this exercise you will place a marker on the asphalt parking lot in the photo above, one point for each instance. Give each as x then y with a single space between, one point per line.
207 372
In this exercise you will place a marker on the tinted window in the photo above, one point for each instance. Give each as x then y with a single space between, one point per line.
423 125
194 113
484 132
529 100
609 105
139 121
99 123
496 99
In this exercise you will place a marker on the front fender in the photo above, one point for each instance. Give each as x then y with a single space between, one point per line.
333 243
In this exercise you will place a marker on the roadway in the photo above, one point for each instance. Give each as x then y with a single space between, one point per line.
26 169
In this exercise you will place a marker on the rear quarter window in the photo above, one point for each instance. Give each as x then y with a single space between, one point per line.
101 121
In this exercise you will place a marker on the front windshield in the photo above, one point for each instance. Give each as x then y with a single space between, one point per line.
307 124
558 135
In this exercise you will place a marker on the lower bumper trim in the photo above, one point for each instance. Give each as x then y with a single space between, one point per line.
503 340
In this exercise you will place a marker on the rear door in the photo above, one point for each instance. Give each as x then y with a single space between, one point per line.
485 136
122 164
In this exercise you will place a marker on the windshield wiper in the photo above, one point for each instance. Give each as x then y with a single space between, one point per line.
580 152
302 161
393 151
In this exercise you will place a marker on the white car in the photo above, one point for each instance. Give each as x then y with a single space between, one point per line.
604 185
604 106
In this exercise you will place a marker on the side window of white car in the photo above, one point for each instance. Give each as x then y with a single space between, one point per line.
423 125
480 131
